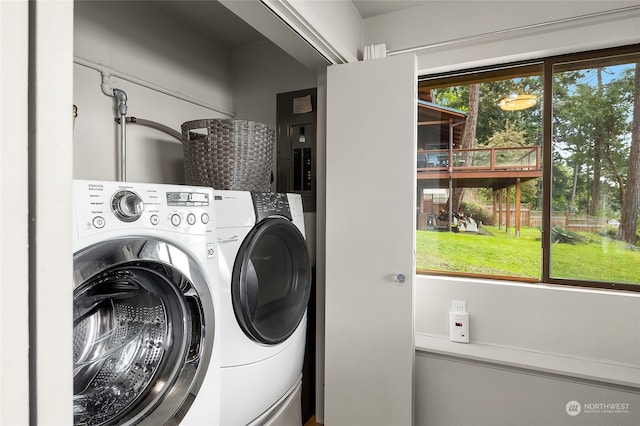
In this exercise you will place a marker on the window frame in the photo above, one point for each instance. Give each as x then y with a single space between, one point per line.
529 67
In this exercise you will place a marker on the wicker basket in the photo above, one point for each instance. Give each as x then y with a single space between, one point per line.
228 154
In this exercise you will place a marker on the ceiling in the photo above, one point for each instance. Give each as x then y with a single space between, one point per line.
213 21
371 8
216 22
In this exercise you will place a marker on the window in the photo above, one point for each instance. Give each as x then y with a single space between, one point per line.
488 205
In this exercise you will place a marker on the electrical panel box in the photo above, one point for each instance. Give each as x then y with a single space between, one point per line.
296 144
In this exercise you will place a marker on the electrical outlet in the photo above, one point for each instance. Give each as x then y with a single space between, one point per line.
459 327
458 306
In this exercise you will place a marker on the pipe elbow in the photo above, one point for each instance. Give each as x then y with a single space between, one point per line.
120 94
105 85
122 101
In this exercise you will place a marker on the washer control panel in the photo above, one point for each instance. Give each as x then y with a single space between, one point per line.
108 206
267 204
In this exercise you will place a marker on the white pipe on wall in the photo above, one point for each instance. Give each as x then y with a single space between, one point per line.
106 71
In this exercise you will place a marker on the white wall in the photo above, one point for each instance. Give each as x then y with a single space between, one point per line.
260 72
50 254
140 40
451 391
14 220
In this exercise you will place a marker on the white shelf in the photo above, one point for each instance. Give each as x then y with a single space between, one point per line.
560 364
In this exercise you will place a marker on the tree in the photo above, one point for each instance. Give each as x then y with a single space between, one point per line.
468 137
492 117
631 198
598 148
591 133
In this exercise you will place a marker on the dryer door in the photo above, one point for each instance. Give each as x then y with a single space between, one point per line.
140 351
271 281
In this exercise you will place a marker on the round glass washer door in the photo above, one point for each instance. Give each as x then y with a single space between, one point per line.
271 281
140 311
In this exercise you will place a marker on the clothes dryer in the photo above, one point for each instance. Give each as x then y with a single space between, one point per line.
145 339
265 284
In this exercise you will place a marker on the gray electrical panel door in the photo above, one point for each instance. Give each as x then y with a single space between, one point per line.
296 142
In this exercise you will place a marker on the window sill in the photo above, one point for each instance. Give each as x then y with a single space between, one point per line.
586 369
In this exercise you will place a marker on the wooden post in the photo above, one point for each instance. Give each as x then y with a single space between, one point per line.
508 212
518 220
500 209
419 207
495 208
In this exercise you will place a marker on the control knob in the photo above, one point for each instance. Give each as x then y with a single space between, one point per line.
127 205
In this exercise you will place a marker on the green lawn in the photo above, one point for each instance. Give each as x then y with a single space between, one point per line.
494 252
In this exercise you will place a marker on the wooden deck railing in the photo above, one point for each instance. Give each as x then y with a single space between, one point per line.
490 159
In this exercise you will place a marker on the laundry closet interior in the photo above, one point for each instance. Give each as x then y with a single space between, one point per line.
157 65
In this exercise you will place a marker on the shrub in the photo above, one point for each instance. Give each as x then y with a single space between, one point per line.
561 235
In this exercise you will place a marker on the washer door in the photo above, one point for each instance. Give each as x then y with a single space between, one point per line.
271 281
140 352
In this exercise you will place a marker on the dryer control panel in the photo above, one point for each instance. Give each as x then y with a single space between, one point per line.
115 206
268 204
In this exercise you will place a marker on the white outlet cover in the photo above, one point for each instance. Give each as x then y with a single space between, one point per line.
459 327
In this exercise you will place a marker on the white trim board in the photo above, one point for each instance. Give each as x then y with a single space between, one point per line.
587 369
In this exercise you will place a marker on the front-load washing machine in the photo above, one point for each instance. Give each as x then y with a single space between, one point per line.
145 339
265 284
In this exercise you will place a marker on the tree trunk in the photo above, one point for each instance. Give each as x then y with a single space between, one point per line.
631 200
595 185
618 175
468 138
598 143
572 204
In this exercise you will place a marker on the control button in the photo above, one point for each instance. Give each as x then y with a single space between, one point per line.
175 219
98 222
191 219
211 251
204 218
154 219
127 205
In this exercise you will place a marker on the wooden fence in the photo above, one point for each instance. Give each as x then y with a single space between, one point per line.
577 223
528 217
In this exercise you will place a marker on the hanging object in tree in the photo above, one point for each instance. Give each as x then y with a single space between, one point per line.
516 102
